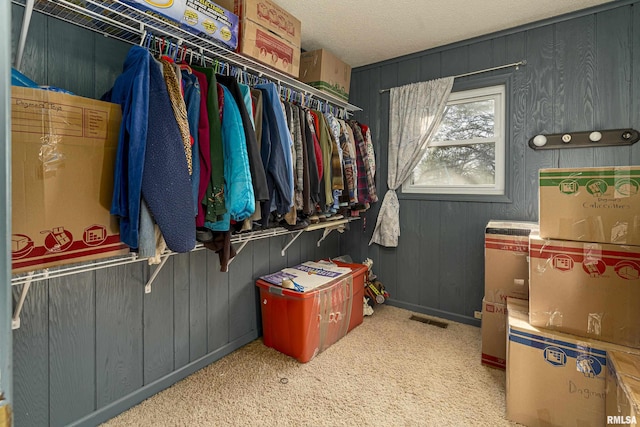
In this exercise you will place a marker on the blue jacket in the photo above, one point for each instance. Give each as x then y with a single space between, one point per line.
131 91
239 196
166 185
276 152
192 102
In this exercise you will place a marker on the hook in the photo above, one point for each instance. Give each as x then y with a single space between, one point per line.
143 39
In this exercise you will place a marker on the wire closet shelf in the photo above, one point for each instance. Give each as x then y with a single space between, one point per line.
115 19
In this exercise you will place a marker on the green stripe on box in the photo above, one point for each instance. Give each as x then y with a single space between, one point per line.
324 86
611 177
592 173
553 182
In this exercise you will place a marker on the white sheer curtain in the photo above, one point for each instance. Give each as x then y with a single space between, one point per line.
414 117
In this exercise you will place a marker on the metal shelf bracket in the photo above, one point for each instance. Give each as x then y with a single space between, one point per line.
147 287
328 230
293 239
240 248
15 320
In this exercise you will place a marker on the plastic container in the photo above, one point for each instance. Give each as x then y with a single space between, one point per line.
303 324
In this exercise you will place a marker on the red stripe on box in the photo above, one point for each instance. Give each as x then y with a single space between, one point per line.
69 255
493 361
544 251
505 245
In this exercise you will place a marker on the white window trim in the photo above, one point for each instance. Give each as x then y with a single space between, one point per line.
497 92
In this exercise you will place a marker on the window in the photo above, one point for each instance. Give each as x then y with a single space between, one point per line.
467 155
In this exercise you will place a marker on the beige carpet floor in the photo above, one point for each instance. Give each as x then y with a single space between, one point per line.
389 371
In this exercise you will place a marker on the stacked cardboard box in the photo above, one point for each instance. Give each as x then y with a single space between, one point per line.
506 274
554 379
326 72
268 33
584 288
623 388
203 17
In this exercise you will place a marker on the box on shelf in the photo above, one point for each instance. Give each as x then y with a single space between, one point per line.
326 72
494 334
623 389
268 15
63 156
591 204
268 33
261 44
554 378
202 17
303 324
586 289
506 260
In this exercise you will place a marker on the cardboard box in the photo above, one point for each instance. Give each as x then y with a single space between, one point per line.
269 16
591 204
506 260
268 48
202 17
622 388
63 156
494 334
586 289
554 379
325 71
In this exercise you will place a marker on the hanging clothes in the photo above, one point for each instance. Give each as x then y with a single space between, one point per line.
300 117
192 101
337 182
166 185
371 155
204 149
299 156
239 197
214 196
349 162
174 89
276 155
312 157
327 151
366 183
131 91
258 176
248 103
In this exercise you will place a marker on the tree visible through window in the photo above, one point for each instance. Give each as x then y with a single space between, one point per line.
467 154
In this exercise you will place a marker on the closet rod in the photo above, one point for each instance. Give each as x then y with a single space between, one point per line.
161 44
471 73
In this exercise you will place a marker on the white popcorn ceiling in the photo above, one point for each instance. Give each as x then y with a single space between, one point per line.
362 32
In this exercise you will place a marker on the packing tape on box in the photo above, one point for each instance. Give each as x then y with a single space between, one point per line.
594 323
334 312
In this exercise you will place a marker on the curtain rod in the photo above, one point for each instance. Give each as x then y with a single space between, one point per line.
500 67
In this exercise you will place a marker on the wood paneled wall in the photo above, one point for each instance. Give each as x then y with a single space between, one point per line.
582 73
94 344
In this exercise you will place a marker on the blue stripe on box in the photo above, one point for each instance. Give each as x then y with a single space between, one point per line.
557 342
543 345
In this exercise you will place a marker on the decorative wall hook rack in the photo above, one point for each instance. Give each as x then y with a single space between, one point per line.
603 138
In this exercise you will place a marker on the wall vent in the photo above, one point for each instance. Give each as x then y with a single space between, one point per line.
429 321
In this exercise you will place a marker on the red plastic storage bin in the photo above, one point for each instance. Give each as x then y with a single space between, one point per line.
303 324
